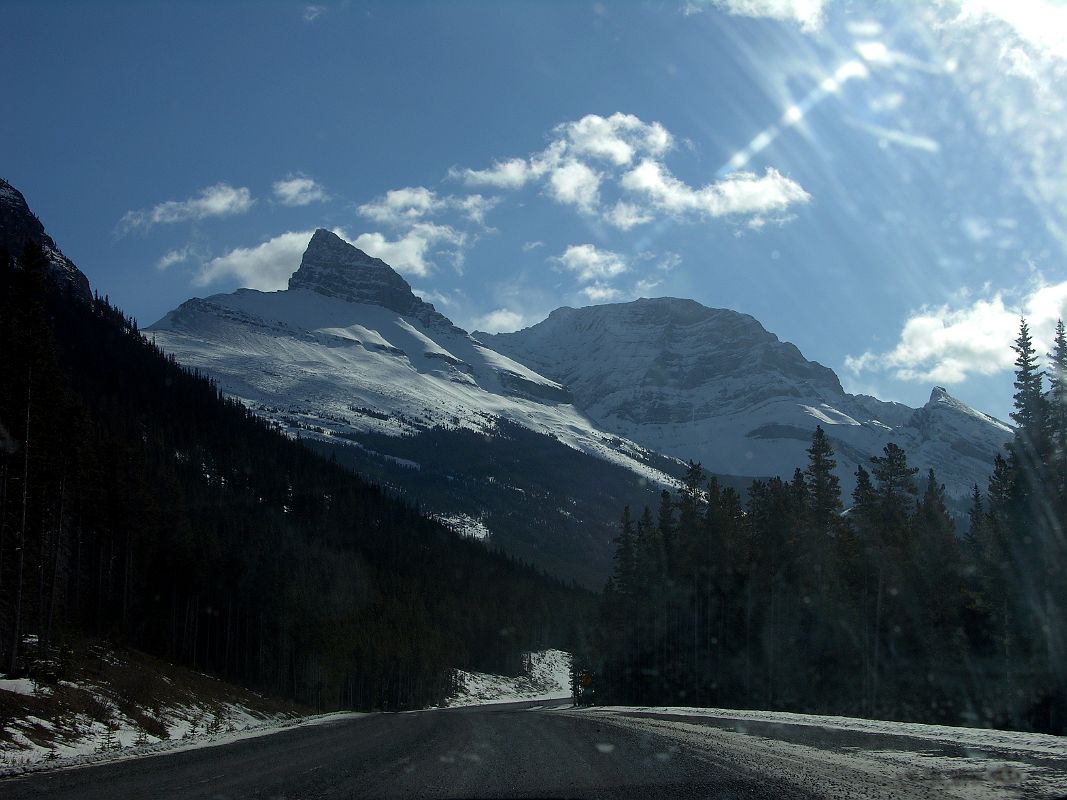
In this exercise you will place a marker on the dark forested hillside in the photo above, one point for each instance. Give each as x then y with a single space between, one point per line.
137 502
542 501
787 602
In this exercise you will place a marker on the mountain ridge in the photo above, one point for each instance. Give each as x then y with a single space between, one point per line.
622 381
714 386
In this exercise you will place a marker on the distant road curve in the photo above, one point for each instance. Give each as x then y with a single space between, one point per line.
529 751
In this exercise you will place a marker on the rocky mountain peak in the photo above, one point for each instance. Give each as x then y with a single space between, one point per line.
939 394
19 225
665 344
941 402
334 268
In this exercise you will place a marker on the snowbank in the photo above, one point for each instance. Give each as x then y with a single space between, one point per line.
546 677
978 738
88 749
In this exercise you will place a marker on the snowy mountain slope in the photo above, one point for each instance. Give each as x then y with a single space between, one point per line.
352 361
348 348
714 386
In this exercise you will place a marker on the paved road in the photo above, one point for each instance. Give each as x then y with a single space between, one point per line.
488 752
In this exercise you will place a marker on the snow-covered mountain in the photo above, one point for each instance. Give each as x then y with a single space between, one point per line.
352 361
714 386
349 348
19 225
470 426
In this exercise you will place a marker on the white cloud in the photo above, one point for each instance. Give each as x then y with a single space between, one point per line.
739 193
601 293
409 253
454 298
616 143
312 13
266 266
947 345
502 320
511 174
402 206
644 286
1040 23
298 190
475 206
528 246
220 200
627 215
574 183
172 257
618 138
592 264
806 13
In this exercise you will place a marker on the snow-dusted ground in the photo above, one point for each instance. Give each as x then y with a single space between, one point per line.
114 703
913 760
1038 743
465 525
88 749
547 677
75 739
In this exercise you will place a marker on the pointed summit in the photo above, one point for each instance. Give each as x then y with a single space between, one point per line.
334 268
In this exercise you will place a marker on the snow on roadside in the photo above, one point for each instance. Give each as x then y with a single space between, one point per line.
1035 743
546 677
88 751
97 702
940 762
16 685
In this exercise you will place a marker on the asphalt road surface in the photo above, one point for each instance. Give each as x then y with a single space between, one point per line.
518 750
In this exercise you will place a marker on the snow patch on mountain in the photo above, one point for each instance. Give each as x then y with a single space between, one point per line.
465 525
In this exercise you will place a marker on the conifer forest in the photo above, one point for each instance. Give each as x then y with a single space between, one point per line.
147 508
788 601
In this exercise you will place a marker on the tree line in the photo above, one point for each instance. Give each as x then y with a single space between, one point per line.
140 504
790 601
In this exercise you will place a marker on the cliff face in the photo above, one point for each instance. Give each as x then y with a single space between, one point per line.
19 225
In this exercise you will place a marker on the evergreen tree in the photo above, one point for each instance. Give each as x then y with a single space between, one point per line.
863 496
823 485
1057 360
1031 412
936 564
625 577
666 525
895 478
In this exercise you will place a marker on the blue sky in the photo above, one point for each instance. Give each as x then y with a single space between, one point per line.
885 185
